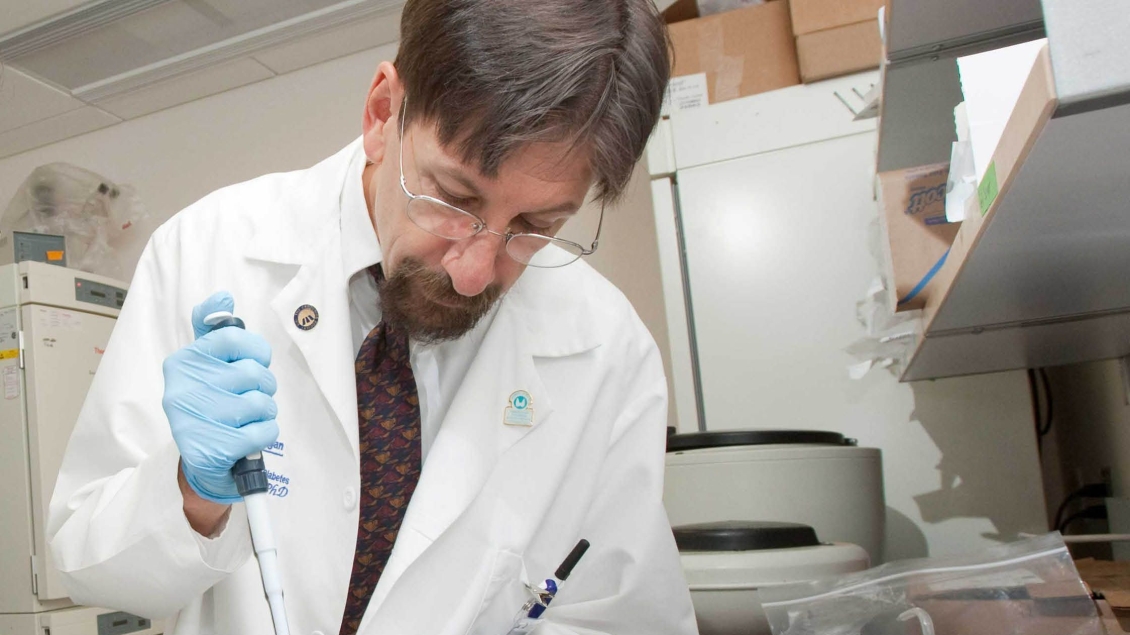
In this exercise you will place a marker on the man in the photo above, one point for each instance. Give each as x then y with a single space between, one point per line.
448 401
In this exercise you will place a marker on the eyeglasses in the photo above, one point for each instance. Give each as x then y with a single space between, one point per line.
442 219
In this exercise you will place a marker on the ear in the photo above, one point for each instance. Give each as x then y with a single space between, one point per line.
382 110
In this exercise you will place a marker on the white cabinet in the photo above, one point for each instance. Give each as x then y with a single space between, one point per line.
776 260
769 247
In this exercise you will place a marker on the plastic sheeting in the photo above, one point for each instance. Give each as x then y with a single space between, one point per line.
94 214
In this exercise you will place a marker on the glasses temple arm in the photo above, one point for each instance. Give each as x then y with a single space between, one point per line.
596 240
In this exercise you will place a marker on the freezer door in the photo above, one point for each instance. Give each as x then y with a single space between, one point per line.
16 591
63 349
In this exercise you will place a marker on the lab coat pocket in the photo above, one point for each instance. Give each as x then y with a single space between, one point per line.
503 597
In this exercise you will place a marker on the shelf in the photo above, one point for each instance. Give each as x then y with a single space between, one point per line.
1042 276
918 28
920 80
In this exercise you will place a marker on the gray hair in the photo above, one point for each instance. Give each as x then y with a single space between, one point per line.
494 75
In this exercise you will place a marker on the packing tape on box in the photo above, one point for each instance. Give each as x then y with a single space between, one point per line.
728 84
925 279
727 69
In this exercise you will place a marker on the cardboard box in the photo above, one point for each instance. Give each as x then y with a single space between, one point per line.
916 235
839 51
1115 621
809 16
742 52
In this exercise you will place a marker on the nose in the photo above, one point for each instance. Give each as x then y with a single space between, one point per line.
471 263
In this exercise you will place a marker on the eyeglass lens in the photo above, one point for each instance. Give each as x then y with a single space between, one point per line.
529 249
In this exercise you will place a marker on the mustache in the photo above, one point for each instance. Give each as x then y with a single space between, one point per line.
424 304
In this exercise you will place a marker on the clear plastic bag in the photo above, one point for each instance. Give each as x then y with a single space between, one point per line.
1029 587
95 215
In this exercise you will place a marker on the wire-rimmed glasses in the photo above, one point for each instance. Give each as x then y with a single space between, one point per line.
442 219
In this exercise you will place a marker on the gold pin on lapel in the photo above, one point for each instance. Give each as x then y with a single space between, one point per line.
520 412
306 317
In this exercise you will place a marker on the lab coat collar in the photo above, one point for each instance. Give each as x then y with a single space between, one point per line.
310 211
359 247
556 310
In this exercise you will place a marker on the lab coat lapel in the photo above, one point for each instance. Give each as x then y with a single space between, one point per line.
483 498
306 232
530 325
473 433
451 526
471 438
327 347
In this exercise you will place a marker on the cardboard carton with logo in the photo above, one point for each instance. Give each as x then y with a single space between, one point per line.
916 236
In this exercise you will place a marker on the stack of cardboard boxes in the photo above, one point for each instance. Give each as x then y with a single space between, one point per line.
836 37
773 44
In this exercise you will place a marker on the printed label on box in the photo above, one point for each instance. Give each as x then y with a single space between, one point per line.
926 196
686 92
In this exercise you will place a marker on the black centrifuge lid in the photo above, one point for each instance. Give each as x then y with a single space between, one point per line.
734 535
729 438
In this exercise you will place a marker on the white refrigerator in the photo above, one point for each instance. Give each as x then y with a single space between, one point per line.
765 215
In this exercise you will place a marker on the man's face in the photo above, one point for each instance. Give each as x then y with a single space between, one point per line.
437 289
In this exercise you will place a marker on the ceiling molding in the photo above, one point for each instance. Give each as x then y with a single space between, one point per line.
246 44
73 23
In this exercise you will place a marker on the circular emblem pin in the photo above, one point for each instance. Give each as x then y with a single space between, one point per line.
306 317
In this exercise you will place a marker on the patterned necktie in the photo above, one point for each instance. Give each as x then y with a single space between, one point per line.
388 413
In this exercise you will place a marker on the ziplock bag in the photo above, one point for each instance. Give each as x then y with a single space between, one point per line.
1028 587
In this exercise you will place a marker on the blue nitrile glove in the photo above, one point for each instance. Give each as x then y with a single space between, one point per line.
218 399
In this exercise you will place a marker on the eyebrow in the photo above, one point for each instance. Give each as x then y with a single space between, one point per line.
570 206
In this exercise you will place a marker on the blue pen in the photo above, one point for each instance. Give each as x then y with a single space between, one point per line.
548 589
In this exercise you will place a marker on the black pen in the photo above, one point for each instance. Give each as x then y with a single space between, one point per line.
550 587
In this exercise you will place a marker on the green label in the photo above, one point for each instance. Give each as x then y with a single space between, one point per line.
987 191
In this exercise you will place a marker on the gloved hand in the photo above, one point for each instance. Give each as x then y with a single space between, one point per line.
219 401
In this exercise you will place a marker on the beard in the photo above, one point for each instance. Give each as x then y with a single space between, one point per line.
424 305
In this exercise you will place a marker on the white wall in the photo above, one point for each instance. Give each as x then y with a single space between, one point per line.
175 156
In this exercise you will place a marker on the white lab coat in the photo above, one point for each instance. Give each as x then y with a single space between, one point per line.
496 505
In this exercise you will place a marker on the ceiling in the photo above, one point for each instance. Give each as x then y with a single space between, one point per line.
68 67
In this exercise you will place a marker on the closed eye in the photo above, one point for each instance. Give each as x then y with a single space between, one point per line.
458 201
535 225
462 202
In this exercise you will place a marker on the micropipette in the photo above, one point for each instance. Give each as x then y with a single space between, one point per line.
251 481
